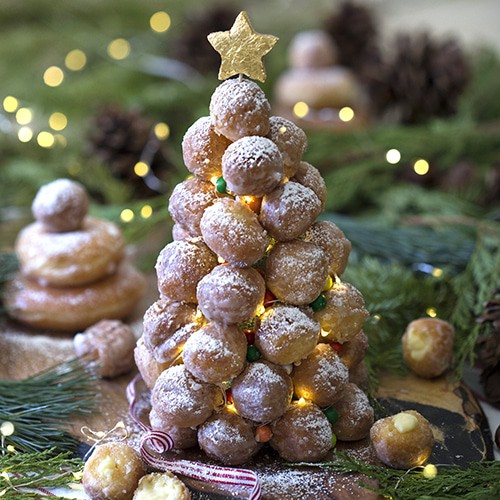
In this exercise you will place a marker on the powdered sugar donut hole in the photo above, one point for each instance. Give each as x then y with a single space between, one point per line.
302 434
230 295
239 108
288 210
286 334
179 268
309 176
320 377
252 166
228 438
202 149
183 437
262 392
291 141
296 271
215 353
61 205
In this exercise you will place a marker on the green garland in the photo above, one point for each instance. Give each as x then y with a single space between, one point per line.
477 481
34 411
42 469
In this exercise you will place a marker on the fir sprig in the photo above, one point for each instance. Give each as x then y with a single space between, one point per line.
44 469
40 406
476 481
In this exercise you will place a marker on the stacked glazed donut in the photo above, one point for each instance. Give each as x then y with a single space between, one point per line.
254 337
72 267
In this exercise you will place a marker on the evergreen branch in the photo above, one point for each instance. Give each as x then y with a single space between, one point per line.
44 469
40 406
476 481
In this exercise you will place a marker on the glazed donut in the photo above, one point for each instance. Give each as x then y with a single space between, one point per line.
71 258
75 308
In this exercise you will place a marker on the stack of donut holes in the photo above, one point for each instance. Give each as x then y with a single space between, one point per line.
73 270
234 352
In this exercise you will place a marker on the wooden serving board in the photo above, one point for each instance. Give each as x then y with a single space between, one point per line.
459 425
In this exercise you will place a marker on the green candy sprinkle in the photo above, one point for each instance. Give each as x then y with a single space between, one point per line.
221 186
319 303
253 353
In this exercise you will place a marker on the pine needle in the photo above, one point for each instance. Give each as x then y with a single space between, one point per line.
44 469
476 481
41 406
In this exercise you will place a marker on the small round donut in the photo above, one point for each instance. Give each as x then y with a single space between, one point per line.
312 49
112 472
355 414
353 351
252 166
61 205
302 434
148 367
343 317
296 271
321 377
215 353
71 258
262 392
333 242
428 346
179 233
167 326
288 210
239 108
183 437
202 149
310 177
286 334
74 309
233 231
228 438
161 485
181 400
404 440
179 268
230 295
112 344
291 141
188 201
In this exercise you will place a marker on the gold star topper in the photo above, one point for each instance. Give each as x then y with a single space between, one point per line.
242 49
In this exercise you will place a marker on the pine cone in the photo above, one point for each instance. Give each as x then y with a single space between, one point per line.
426 77
354 31
193 48
118 138
489 349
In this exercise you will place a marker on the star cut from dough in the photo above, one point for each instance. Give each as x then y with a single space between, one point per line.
242 49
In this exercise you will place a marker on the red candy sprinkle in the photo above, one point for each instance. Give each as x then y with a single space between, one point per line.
269 299
337 346
263 434
250 335
229 397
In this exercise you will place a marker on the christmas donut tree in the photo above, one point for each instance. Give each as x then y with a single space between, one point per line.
254 338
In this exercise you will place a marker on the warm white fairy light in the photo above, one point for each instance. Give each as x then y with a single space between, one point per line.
58 121
160 21
282 129
24 116
127 215
141 169
11 448
393 156
430 311
325 333
146 211
75 60
45 139
346 114
61 140
377 317
421 167
7 428
118 49
10 104
25 134
301 109
53 76
430 471
162 131
437 272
